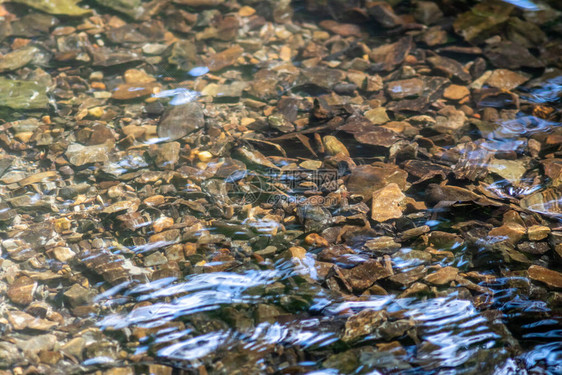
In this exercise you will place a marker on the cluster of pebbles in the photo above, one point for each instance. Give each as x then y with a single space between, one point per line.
362 151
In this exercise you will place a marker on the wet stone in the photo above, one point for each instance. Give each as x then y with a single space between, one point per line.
442 276
382 245
21 290
551 278
452 69
178 121
387 203
167 155
505 79
62 7
35 344
22 95
77 295
412 87
455 92
366 179
538 232
482 21
509 55
79 155
535 248
18 58
364 275
377 115
362 324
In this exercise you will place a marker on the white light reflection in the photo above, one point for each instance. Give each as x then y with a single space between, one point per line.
180 95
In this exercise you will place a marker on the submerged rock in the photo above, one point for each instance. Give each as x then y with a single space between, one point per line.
18 58
131 8
550 277
178 121
17 94
62 7
388 203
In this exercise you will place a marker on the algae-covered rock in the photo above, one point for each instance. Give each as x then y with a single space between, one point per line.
18 58
17 94
62 7
131 8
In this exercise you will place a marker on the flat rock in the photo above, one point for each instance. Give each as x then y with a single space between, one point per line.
21 320
509 55
366 179
377 115
18 95
387 203
382 245
482 21
59 7
362 324
506 79
18 58
128 91
510 231
452 69
550 277
511 170
406 88
364 275
224 58
455 92
77 295
21 290
79 155
449 120
538 232
442 276
35 344
178 121
390 55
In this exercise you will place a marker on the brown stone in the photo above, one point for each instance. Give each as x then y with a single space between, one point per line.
388 203
538 232
21 291
366 179
506 79
343 29
511 231
364 275
162 223
127 91
442 276
225 58
406 88
136 76
297 252
455 92
316 240
362 324
550 277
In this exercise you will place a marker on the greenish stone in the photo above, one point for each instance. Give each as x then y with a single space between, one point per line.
61 7
131 8
482 21
18 58
18 94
